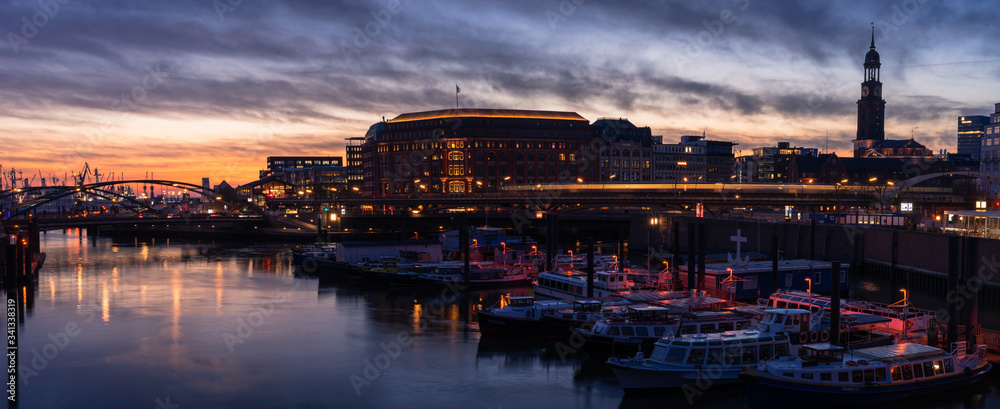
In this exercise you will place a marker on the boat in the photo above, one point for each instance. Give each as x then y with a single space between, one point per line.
523 315
318 251
481 275
719 358
825 375
901 314
582 313
572 284
641 327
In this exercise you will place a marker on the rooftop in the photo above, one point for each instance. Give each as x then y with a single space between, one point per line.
487 113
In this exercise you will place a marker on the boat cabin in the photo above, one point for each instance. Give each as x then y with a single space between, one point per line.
785 321
729 348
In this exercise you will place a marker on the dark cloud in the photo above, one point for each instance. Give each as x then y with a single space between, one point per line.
327 64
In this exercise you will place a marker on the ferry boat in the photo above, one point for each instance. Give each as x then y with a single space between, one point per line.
478 277
572 284
831 376
691 359
584 312
901 314
523 315
318 251
638 329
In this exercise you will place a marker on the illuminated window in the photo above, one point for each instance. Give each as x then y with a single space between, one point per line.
562 156
456 170
572 157
455 156
456 186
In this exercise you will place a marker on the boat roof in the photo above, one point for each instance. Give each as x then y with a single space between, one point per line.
898 352
721 338
852 319
654 296
824 346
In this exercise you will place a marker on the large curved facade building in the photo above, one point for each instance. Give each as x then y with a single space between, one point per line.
459 152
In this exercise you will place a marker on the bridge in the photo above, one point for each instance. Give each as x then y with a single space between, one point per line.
39 196
715 197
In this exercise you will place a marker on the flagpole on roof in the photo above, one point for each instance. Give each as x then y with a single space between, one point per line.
457 90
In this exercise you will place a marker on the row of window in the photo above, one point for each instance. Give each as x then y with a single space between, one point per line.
878 375
729 355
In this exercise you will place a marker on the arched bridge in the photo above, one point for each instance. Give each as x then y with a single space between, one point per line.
51 193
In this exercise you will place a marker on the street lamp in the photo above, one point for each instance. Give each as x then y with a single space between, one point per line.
809 290
653 221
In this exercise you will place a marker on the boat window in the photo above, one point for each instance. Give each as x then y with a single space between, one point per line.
725 326
869 375
659 331
581 317
938 367
732 355
907 372
613 330
782 304
842 376
896 374
880 374
949 365
742 325
675 355
826 376
707 328
918 370
628 331
807 375
766 351
788 374
689 329
659 353
781 349
749 354
856 376
715 356
642 331
928 368
696 357
788 320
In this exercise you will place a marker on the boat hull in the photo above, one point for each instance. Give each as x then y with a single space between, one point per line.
637 377
493 324
766 391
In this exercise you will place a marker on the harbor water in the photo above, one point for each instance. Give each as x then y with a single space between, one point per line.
154 325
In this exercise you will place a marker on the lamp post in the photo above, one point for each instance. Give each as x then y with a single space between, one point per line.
653 221
809 289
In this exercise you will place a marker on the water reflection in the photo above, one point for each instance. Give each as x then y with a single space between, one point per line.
214 326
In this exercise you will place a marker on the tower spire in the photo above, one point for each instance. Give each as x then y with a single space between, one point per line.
873 36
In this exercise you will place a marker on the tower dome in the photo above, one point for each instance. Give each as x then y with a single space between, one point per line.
871 58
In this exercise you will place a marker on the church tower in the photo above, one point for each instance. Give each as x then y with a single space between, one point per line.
871 106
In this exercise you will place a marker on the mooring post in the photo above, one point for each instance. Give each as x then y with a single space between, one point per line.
954 271
691 279
835 303
701 255
590 267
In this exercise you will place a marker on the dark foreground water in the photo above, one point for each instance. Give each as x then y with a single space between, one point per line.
196 326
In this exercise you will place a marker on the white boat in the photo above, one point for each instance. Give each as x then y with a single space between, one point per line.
901 314
693 359
572 284
831 376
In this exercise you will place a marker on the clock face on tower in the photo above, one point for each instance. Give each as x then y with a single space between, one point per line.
878 91
864 91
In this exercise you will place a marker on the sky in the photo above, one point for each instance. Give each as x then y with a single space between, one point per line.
186 89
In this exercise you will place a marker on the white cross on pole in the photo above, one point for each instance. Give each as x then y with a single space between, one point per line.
739 239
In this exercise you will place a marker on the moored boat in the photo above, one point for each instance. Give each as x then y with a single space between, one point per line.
902 316
831 376
677 361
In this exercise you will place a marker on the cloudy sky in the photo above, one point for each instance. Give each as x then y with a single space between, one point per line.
209 88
